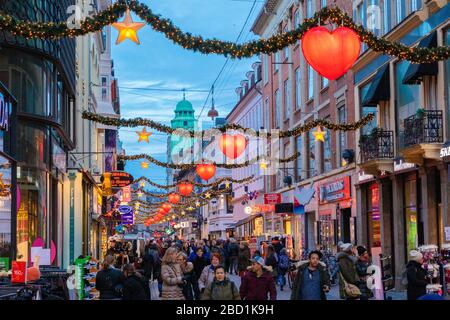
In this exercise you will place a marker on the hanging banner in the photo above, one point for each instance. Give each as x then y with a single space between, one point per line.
126 194
272 198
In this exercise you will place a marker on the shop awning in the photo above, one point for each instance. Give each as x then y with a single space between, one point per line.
415 72
246 220
379 89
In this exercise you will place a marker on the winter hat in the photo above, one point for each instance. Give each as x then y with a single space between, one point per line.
259 260
361 250
347 247
415 255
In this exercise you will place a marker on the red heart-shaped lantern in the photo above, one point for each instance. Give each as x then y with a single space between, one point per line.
174 198
161 211
166 207
206 171
331 54
185 188
232 146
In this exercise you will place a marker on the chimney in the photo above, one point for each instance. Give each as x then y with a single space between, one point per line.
251 78
239 92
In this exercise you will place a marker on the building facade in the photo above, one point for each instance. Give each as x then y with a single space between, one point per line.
294 94
403 186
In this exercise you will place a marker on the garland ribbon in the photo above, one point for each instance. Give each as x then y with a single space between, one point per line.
190 166
136 122
196 184
54 30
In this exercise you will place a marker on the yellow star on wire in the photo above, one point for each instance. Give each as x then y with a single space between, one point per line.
140 194
128 29
183 213
227 185
144 165
190 208
319 135
142 184
263 164
207 195
143 135
197 204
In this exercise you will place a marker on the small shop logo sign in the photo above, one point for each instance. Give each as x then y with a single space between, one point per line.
445 152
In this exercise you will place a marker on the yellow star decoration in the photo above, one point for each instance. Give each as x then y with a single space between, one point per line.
319 135
197 204
190 208
343 162
143 135
142 183
128 29
207 195
144 165
183 213
140 194
227 185
263 164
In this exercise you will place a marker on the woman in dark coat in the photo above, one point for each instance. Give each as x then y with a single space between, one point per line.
362 264
272 260
416 275
243 258
135 287
109 281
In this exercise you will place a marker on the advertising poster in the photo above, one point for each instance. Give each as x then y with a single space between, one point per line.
19 272
110 149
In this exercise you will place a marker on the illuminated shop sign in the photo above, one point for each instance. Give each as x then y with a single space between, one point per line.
4 113
335 191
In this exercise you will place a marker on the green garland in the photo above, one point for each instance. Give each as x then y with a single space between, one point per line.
191 166
55 30
196 184
137 122
213 193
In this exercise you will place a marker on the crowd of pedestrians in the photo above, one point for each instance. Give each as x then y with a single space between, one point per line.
199 269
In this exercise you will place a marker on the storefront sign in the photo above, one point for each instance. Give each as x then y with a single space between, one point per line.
127 219
272 198
19 272
447 233
4 113
125 210
263 208
126 194
362 176
400 165
117 179
4 263
445 151
300 209
335 191
284 208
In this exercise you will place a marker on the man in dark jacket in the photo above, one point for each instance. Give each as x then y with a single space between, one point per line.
347 267
416 275
258 283
312 281
135 287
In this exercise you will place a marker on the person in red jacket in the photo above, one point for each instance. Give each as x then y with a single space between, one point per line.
258 283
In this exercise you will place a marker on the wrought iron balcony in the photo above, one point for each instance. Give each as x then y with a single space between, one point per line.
425 127
377 145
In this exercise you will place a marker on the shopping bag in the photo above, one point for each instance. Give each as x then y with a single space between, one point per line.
154 291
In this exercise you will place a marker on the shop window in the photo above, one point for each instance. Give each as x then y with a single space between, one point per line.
326 232
373 211
411 213
5 208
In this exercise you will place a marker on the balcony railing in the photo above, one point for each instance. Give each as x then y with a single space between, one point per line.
426 127
377 145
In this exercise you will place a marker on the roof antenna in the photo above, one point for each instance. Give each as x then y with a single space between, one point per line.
184 94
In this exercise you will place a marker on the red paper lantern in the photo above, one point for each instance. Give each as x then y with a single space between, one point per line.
166 207
331 54
185 188
174 198
232 145
161 211
206 170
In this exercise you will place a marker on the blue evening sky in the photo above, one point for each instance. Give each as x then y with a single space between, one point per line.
159 63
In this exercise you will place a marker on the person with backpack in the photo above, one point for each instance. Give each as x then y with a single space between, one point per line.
272 261
283 266
109 280
221 288
415 276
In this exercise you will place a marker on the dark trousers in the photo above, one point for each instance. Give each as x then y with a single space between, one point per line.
233 265
196 289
